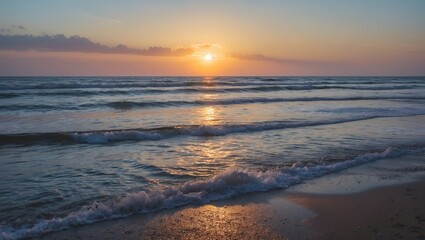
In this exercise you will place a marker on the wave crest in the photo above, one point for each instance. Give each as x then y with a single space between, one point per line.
107 136
230 183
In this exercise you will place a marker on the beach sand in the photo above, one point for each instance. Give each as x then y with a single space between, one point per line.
386 204
391 212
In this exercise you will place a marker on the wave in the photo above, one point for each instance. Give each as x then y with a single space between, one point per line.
147 82
228 184
50 86
208 90
140 134
126 105
8 95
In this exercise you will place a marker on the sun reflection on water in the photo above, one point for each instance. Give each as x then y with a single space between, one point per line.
209 157
209 115
205 159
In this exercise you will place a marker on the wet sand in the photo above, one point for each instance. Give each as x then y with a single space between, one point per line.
390 212
254 216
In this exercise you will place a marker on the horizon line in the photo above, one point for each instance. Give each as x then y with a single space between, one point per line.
182 76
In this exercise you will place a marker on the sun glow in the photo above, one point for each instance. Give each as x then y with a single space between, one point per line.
208 57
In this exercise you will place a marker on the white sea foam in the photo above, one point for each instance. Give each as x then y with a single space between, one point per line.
190 130
230 183
130 104
106 136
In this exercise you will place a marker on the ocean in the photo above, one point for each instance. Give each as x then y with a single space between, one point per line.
79 150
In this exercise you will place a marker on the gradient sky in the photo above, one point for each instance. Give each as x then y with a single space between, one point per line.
170 37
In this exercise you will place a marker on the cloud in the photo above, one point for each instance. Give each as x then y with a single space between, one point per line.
201 49
260 57
5 30
206 45
61 43
19 27
12 29
415 52
103 19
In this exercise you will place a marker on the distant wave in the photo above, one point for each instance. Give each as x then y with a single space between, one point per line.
127 85
125 105
117 83
345 80
206 90
8 95
106 136
228 184
148 104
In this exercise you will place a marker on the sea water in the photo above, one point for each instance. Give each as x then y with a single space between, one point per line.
78 150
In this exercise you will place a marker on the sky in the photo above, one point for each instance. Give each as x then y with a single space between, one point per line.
205 38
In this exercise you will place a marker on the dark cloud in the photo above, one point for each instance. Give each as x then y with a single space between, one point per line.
5 30
415 52
20 27
12 29
61 43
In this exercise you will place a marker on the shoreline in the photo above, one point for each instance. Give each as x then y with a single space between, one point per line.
386 212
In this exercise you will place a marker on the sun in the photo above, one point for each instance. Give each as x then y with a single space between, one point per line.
208 57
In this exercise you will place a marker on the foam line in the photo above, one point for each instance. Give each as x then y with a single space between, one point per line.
228 184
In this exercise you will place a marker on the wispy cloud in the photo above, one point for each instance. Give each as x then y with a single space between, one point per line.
103 19
61 43
415 52
12 29
5 30
19 27
260 57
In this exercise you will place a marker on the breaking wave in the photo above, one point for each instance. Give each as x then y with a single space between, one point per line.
128 104
140 134
228 184
124 90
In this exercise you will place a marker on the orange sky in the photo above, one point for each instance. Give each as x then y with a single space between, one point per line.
244 37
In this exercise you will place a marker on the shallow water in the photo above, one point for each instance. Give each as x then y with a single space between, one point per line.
80 150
